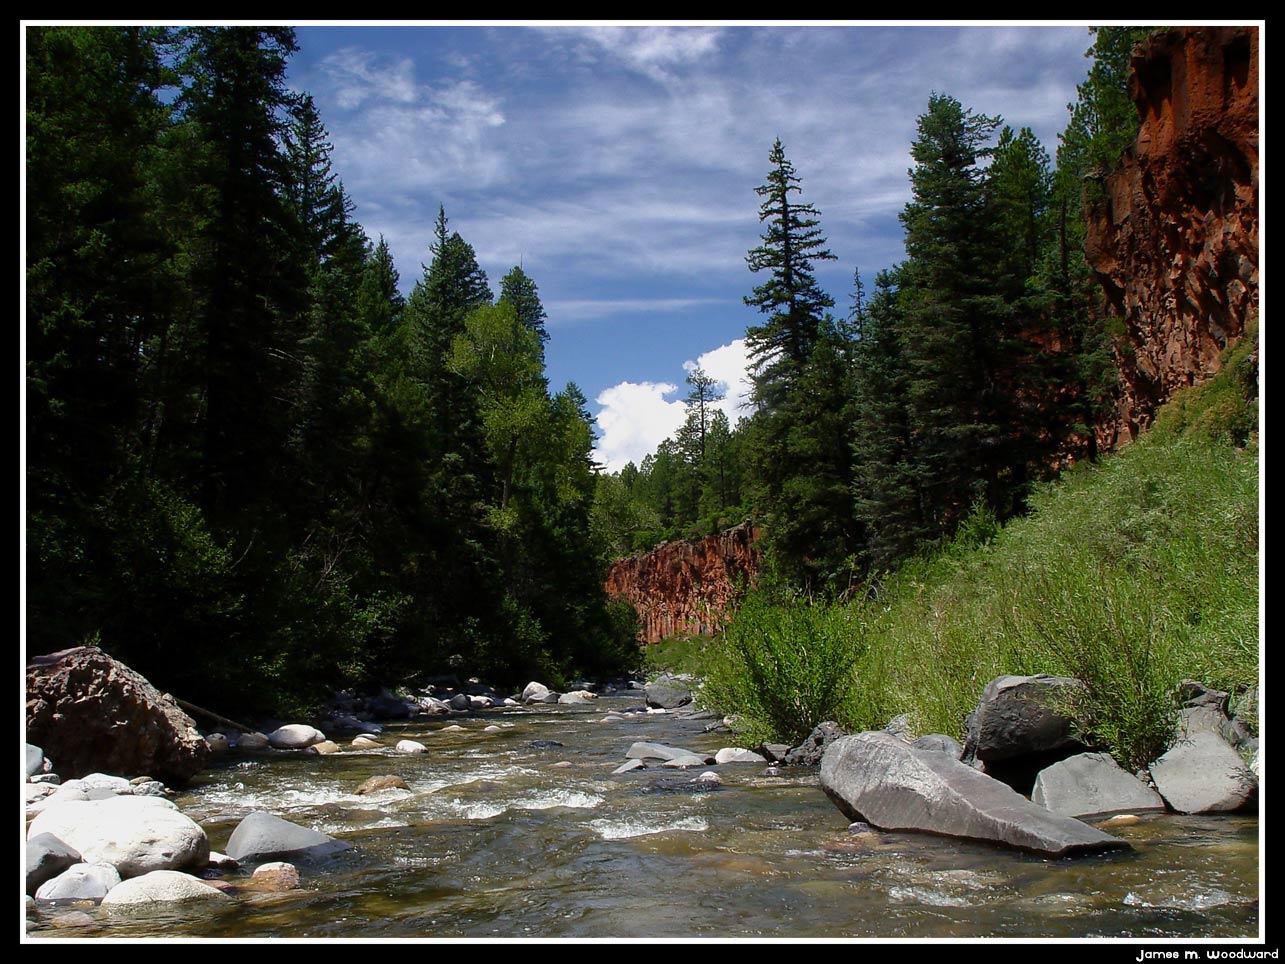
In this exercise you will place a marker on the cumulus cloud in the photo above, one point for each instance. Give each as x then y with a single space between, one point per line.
636 417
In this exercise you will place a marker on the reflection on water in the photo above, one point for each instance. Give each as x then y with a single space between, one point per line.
507 834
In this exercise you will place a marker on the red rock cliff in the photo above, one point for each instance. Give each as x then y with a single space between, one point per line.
684 588
1175 244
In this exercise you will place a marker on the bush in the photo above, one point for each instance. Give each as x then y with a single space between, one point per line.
785 668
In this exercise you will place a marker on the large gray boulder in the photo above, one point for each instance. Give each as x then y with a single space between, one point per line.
35 760
90 712
160 887
265 835
1201 773
1021 716
136 835
1092 785
668 692
878 779
80 882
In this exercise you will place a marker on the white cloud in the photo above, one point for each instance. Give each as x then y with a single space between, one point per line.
729 365
649 50
359 75
636 417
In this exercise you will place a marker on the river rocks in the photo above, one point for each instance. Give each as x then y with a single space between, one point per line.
265 835
1092 785
252 741
410 746
364 742
877 778
576 697
389 706
386 782
217 742
80 882
460 703
534 692
47 857
35 760
628 766
134 834
1201 773
159 887
324 747
736 754
668 692
668 755
809 752
275 876
1019 716
295 736
90 712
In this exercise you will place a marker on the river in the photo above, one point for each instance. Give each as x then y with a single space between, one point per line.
510 835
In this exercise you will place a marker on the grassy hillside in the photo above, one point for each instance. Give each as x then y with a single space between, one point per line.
1131 575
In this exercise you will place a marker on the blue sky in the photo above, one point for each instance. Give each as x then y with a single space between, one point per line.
618 164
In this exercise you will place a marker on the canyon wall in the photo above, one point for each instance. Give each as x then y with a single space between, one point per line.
683 588
1174 243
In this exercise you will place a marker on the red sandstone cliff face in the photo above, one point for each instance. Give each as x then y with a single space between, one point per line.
684 588
1175 246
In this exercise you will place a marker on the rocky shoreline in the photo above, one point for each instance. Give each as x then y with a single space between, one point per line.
120 843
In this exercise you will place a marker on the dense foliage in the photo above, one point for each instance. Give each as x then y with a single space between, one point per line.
254 470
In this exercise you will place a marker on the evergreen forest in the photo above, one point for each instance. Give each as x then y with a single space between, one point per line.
255 472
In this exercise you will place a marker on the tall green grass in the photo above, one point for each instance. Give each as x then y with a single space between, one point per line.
1129 575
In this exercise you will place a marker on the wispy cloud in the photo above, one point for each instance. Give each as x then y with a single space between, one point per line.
652 51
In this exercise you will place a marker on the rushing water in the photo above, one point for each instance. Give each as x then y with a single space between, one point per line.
503 834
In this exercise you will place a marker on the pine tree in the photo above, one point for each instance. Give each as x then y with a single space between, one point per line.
517 289
790 297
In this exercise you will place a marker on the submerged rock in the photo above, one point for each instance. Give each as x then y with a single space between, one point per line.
876 778
385 782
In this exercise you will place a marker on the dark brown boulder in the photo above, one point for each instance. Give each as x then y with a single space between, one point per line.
91 713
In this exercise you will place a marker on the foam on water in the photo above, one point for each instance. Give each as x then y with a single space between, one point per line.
624 829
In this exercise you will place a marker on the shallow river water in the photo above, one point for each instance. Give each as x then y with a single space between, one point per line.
505 835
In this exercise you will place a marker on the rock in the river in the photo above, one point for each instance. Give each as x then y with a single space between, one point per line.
534 692
325 746
577 696
295 736
365 743
809 752
80 882
386 782
90 712
1020 716
1092 785
877 778
460 701
410 746
265 835
217 742
47 857
629 765
136 835
159 887
667 754
35 760
736 754
1203 774
252 741
275 876
668 692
